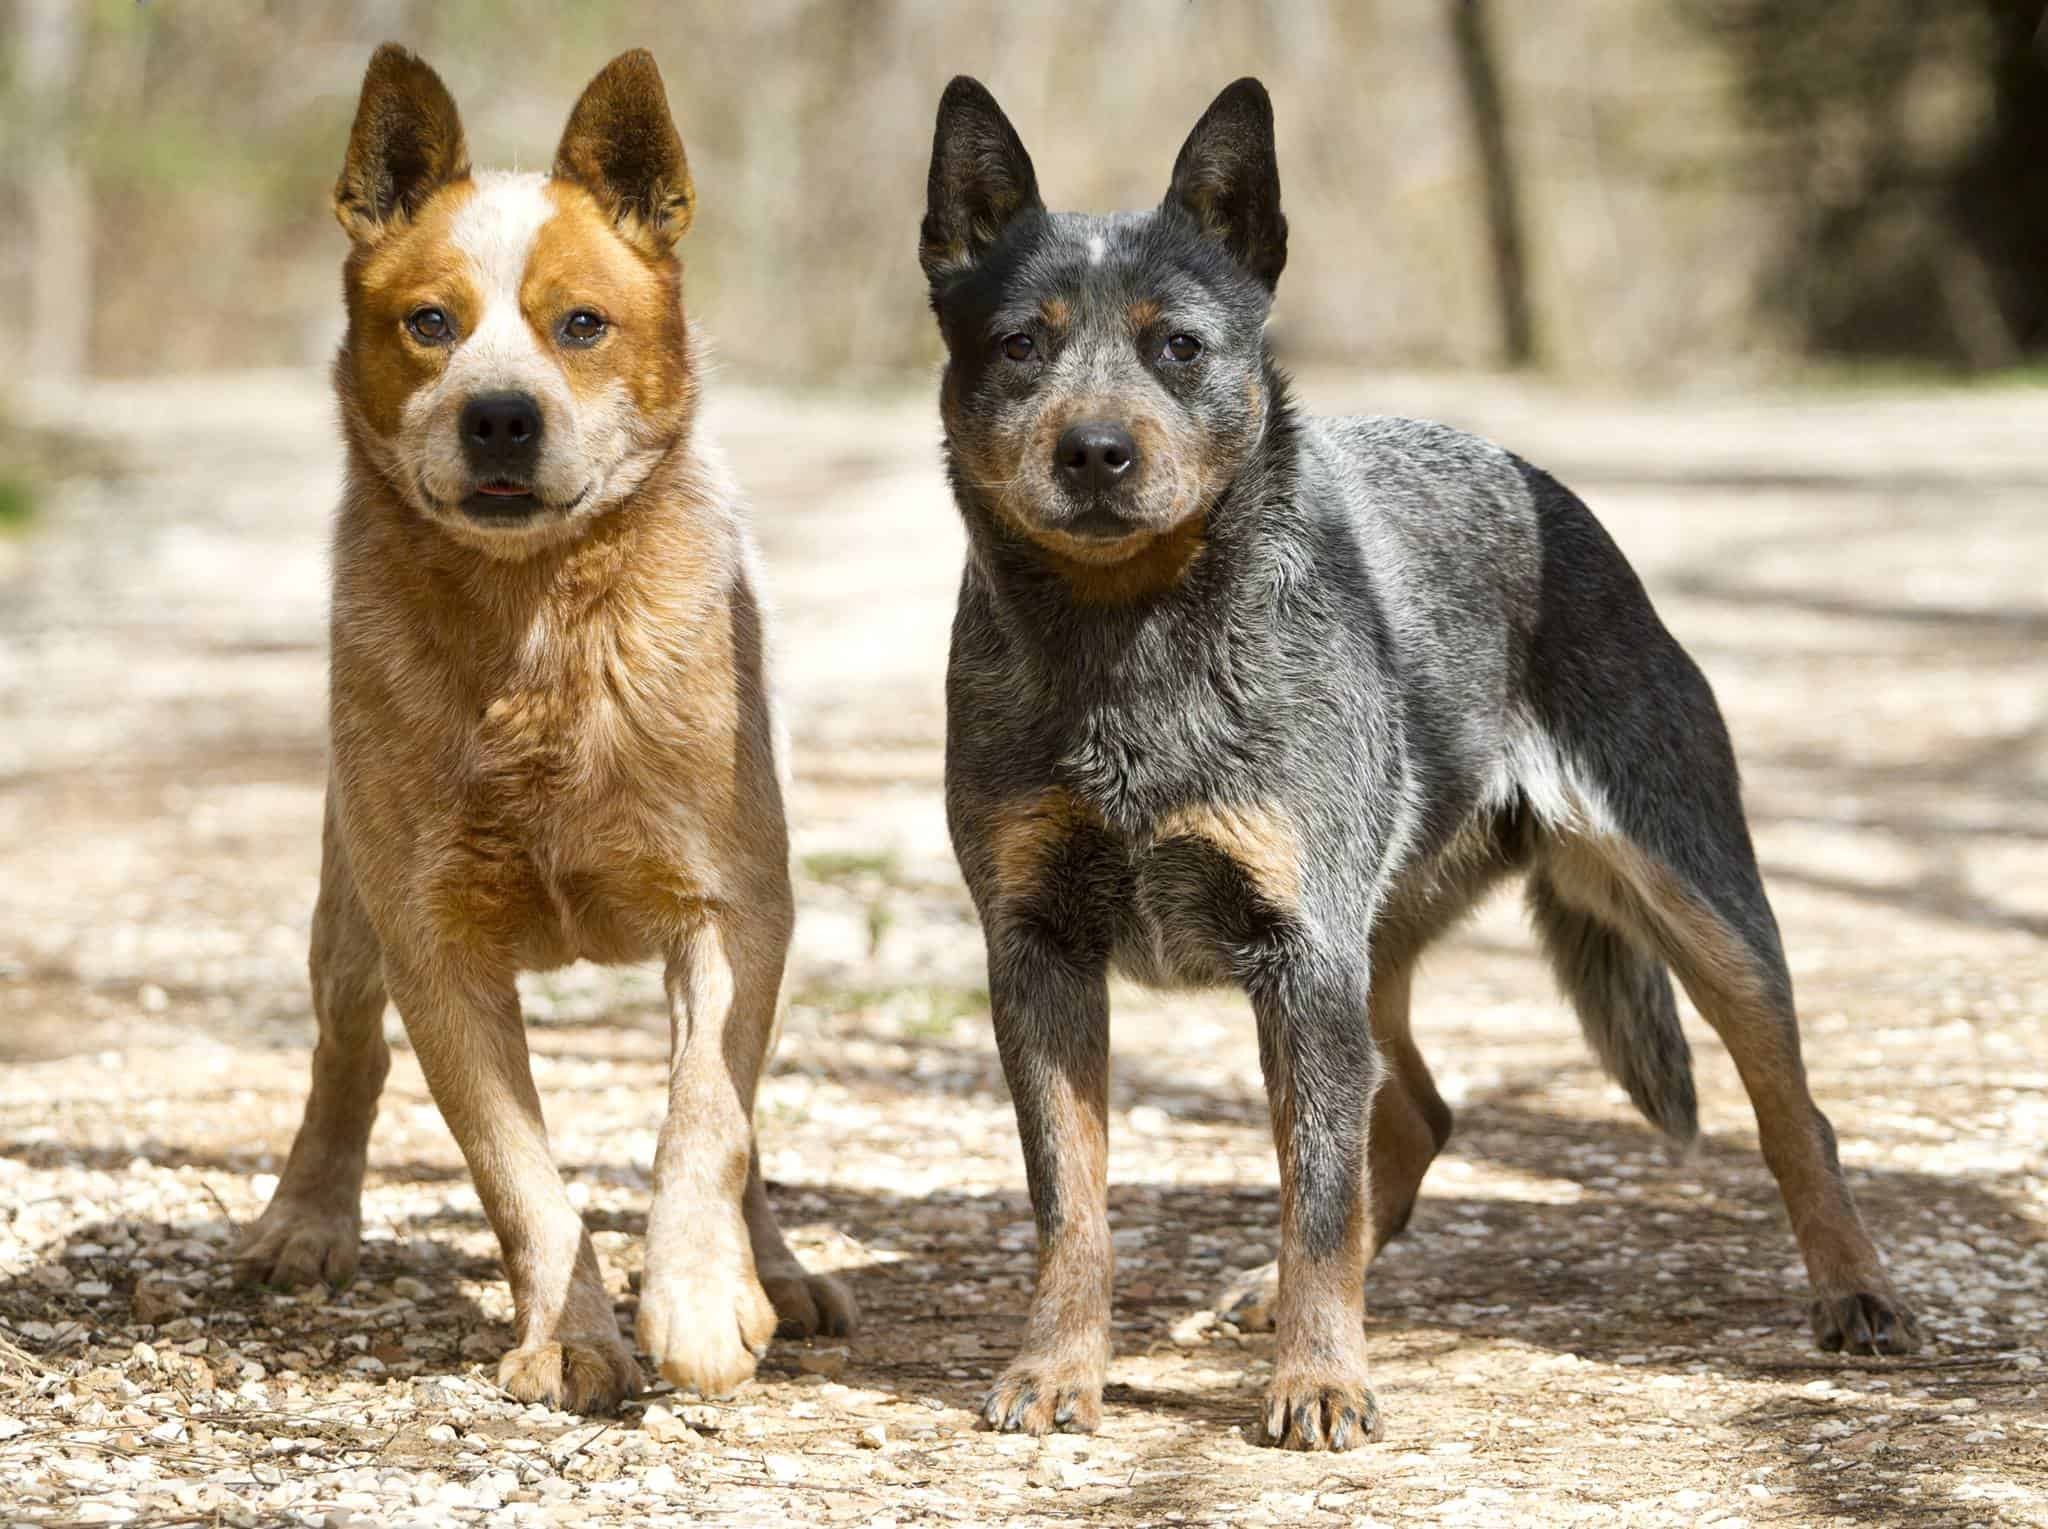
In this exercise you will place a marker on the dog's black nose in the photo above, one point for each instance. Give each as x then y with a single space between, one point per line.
1095 454
501 434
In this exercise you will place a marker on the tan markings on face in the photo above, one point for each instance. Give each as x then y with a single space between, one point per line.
579 260
509 257
1025 834
1158 450
1164 496
1143 314
1144 563
416 266
1098 573
1256 837
1055 312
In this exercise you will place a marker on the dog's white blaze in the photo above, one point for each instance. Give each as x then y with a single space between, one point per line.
1096 249
496 229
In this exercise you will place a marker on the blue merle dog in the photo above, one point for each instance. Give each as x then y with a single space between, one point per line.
1242 696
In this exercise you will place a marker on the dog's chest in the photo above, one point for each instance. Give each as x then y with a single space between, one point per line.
1182 895
1167 931
574 838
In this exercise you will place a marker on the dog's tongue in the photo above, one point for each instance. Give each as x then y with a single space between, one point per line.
504 490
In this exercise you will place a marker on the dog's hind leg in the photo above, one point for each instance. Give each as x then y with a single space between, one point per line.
806 1304
310 1230
1410 1122
1670 862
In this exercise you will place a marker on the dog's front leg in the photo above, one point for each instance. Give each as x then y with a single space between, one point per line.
1317 1053
704 1315
1051 1015
471 1043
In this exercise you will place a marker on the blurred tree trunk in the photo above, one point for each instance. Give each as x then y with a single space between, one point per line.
1479 79
2000 280
59 193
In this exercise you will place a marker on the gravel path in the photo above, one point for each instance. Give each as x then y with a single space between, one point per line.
1576 1328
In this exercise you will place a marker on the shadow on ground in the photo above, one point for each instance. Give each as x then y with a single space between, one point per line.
1632 1264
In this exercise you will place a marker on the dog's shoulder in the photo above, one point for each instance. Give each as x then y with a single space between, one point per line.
1400 469
1436 513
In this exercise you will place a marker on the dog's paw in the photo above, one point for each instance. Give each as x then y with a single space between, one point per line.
295 1243
1247 1301
1040 1396
706 1333
590 1374
1316 1409
1865 1322
808 1305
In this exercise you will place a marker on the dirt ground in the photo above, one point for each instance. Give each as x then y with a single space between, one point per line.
1576 1329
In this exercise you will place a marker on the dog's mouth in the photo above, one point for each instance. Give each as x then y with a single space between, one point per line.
504 500
501 499
1102 524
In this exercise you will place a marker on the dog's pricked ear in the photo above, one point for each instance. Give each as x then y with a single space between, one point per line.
1228 179
621 146
980 179
406 143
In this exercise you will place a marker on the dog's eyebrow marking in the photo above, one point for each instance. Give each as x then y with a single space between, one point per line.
1055 312
1096 247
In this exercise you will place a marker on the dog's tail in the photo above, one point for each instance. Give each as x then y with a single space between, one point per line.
1626 1008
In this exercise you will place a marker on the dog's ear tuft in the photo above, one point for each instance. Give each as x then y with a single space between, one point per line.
621 146
980 179
406 143
1228 179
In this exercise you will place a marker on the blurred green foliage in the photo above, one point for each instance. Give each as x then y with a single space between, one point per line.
17 501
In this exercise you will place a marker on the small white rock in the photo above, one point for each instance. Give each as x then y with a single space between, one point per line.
663 1426
1149 1120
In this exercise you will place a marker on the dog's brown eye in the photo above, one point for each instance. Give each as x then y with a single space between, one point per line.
583 326
429 325
1019 347
1183 347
